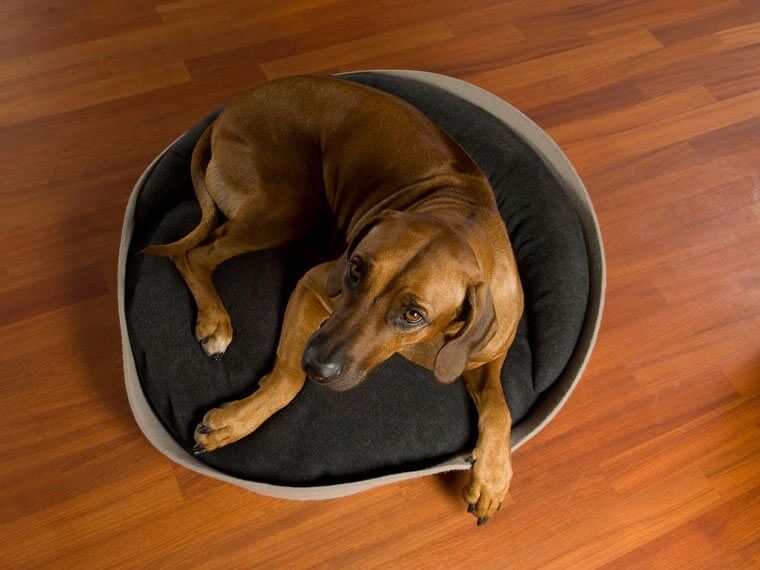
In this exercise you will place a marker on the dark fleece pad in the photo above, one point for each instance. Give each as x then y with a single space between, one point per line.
400 418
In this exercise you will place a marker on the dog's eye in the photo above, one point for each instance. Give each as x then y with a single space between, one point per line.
354 270
412 317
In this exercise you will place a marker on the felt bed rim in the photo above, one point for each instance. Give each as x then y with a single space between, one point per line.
548 404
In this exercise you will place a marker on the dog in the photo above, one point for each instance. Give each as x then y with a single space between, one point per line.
428 270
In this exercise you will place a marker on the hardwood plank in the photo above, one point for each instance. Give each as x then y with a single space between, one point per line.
357 50
35 298
738 142
184 10
597 152
580 108
607 19
632 116
731 69
34 27
702 540
477 51
689 28
676 62
582 59
30 107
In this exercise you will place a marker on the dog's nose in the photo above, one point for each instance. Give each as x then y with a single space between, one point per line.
320 368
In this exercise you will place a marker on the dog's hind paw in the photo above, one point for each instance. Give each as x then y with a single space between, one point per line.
215 335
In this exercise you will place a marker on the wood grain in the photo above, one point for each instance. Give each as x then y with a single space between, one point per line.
655 460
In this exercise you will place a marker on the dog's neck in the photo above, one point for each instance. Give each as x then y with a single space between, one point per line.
459 199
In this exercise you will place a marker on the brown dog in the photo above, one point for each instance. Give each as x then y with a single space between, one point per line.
428 273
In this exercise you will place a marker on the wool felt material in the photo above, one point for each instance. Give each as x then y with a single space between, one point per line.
400 418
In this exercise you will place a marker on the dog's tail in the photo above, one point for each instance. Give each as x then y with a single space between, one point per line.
200 160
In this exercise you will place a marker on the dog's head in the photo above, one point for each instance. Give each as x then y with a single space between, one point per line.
406 279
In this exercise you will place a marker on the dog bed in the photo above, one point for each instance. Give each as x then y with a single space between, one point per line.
400 422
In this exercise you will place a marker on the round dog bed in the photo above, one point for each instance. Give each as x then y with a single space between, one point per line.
400 422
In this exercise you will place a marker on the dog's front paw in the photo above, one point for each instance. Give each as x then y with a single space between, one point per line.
220 426
487 489
214 333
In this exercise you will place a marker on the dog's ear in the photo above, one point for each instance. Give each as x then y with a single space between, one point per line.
479 328
334 284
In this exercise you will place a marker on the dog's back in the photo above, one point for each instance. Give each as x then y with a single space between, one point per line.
319 142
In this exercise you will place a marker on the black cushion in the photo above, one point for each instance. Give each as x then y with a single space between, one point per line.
400 418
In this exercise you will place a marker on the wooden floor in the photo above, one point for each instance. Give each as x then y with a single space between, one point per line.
655 460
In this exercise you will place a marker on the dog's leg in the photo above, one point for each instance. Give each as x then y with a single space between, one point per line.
213 328
305 312
492 460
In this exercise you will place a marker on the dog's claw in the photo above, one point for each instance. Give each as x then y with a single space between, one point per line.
471 508
470 460
198 449
482 521
216 357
